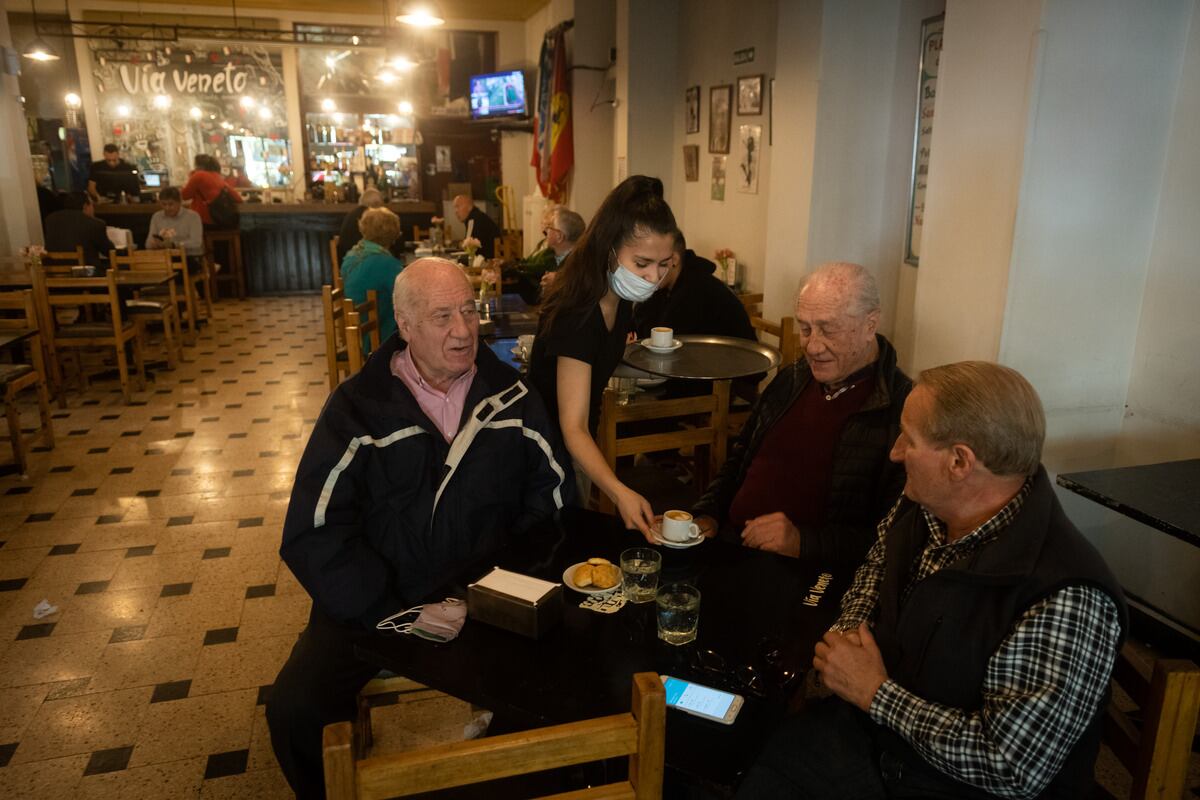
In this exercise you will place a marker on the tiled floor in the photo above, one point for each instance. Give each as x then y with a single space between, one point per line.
154 528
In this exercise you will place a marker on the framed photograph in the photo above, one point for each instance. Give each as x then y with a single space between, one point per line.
691 163
692 102
720 101
718 179
771 112
749 158
750 94
927 72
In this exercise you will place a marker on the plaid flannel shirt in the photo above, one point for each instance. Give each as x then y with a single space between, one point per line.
1041 687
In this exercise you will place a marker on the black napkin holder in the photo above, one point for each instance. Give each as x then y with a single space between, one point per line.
518 615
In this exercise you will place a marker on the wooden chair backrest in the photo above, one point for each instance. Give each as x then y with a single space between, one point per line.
752 302
22 303
64 258
1159 755
80 292
147 259
783 334
361 319
335 333
508 247
713 434
336 262
639 734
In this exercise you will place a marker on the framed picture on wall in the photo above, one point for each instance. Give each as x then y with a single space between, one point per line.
718 179
931 50
720 100
749 157
691 163
750 93
692 103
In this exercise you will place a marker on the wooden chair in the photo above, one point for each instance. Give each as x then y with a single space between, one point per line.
64 258
162 307
15 378
337 358
784 335
1168 703
712 434
336 262
111 330
361 320
752 302
231 271
639 734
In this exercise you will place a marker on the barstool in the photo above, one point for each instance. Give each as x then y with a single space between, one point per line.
231 270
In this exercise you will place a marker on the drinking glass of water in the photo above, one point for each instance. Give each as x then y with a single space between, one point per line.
639 573
678 613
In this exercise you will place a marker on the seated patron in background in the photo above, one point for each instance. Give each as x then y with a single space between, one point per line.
809 473
974 648
205 185
77 225
349 234
431 458
481 226
371 265
111 176
176 227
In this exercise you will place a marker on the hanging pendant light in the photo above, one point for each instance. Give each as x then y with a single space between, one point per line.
420 14
38 50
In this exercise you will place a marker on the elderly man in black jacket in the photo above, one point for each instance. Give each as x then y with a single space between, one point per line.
809 473
431 458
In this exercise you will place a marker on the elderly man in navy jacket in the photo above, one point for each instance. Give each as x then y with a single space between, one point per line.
432 457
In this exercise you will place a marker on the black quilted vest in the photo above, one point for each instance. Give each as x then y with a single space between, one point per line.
936 642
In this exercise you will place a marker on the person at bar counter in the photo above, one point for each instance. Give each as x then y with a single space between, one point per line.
111 176
586 322
205 185
77 225
974 648
482 227
431 458
174 227
827 423
370 265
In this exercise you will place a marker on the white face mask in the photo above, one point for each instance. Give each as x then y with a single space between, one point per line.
630 286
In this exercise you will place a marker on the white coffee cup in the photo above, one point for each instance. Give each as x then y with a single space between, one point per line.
662 337
678 526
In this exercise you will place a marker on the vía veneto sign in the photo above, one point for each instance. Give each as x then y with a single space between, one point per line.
148 79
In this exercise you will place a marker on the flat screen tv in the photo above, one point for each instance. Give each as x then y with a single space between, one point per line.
498 94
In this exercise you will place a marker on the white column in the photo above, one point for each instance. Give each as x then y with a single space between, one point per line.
20 222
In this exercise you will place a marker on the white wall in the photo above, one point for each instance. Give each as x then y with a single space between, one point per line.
709 31
653 99
20 222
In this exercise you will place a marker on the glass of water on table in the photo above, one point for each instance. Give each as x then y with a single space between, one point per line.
639 573
678 613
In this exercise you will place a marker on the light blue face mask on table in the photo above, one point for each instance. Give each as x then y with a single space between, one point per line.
630 286
437 622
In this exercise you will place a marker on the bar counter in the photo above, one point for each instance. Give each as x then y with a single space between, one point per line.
285 246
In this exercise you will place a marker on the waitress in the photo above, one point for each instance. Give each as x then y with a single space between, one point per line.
586 322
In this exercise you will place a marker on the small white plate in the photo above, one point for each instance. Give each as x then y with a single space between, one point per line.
675 345
569 580
656 529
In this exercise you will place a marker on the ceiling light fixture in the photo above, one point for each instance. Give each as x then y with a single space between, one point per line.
72 100
247 102
38 50
405 107
387 77
401 62
195 113
161 101
420 14
122 111
327 105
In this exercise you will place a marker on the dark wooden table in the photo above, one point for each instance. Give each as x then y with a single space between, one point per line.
1164 496
753 613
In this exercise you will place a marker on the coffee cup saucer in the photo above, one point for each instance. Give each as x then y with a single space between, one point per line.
656 531
675 345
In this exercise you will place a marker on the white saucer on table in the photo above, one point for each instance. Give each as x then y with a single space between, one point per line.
675 345
656 529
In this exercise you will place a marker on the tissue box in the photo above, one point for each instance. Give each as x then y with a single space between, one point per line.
515 602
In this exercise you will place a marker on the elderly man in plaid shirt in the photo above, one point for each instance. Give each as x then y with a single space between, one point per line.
974 648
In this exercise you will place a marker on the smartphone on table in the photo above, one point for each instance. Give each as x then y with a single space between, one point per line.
702 701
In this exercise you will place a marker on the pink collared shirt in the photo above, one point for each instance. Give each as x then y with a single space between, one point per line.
444 409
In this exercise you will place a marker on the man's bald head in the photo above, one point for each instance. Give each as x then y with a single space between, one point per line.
852 281
462 207
408 293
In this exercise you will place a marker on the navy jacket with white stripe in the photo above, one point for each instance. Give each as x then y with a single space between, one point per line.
384 510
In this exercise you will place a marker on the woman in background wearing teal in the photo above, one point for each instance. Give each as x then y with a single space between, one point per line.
369 266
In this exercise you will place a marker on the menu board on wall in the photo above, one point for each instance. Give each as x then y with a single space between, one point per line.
931 51
164 104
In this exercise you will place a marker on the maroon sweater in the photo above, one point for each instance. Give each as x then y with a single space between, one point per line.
791 472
